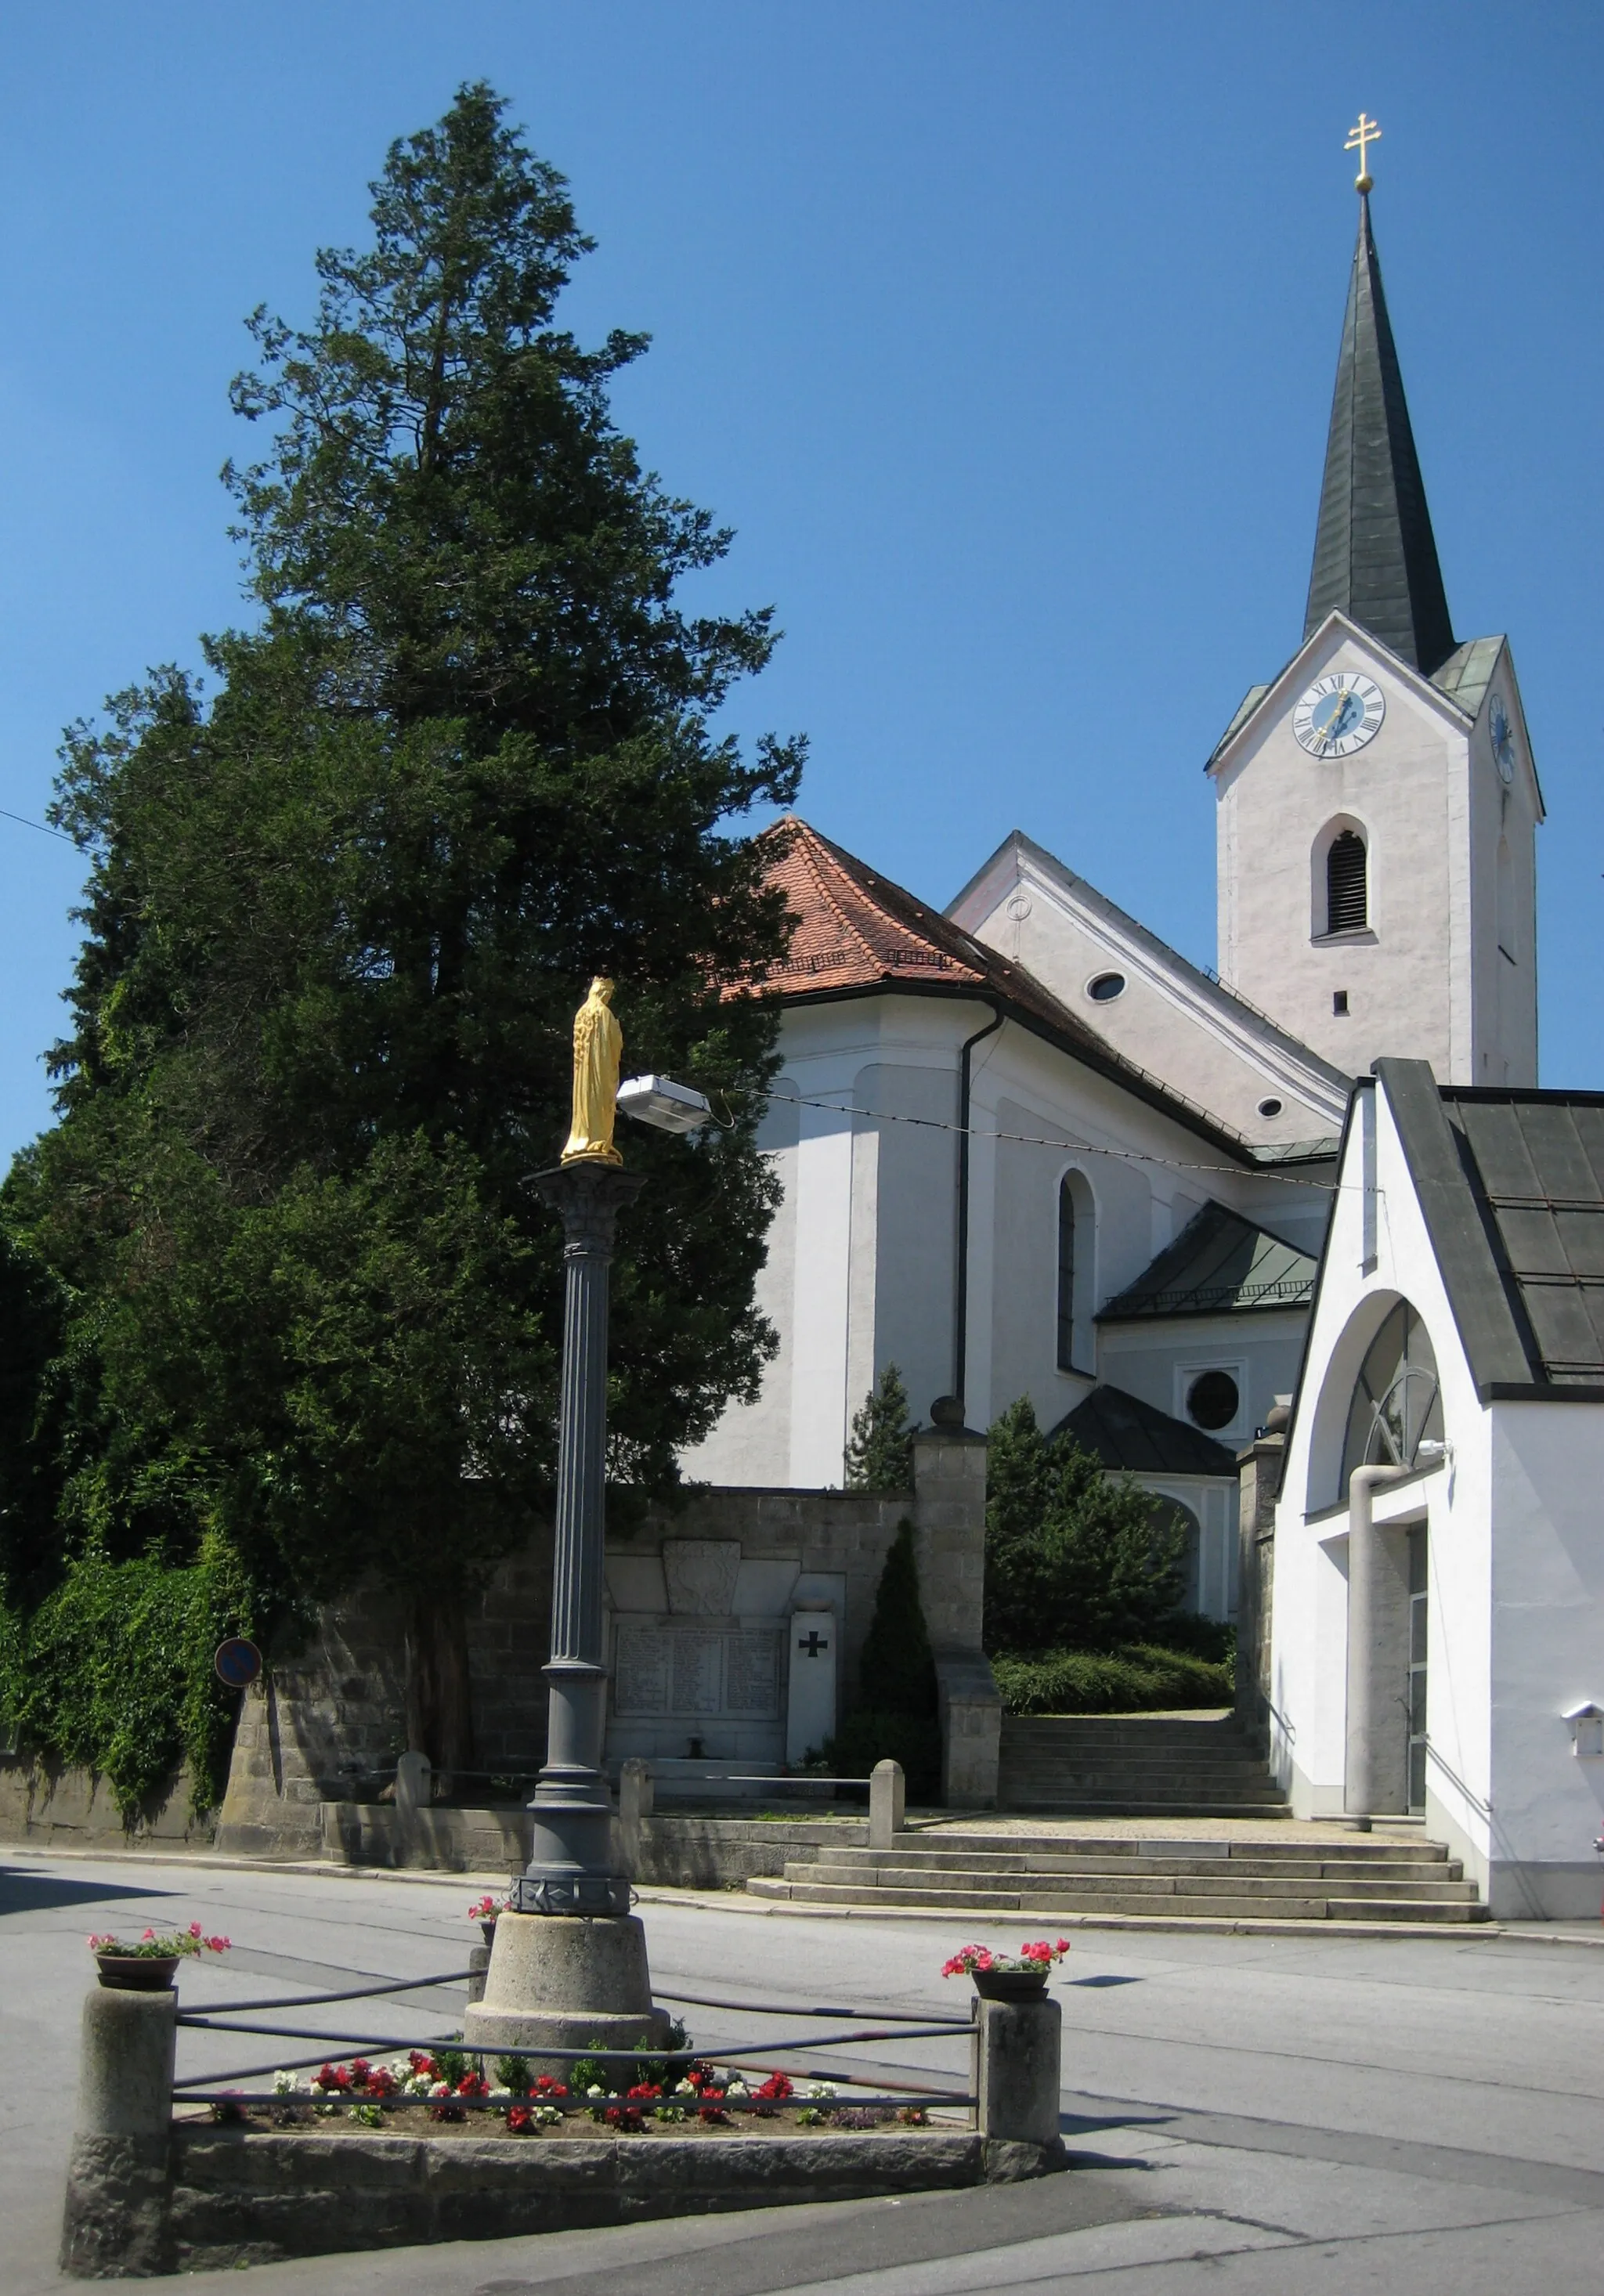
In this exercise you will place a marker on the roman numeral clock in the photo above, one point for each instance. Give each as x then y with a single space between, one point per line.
1339 714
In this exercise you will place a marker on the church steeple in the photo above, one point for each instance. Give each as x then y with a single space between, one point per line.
1375 555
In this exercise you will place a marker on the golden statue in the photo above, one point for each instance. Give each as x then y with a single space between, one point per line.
598 1046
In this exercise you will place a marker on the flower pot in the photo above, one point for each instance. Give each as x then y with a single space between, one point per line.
1010 1984
137 1972
488 1931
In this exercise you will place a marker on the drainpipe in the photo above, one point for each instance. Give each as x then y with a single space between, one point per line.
960 1312
1362 1789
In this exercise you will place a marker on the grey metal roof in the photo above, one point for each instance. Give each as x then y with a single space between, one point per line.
1468 673
1511 1184
1375 555
1219 1264
1136 1438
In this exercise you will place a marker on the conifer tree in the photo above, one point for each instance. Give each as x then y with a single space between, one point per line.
346 895
879 1455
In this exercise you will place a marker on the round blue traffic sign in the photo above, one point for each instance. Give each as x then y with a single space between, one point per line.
238 1662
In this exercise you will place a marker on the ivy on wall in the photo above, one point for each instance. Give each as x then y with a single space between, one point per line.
114 1671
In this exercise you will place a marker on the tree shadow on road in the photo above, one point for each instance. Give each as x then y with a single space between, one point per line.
33 1893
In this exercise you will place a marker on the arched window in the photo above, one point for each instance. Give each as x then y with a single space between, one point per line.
1347 906
1396 1404
1074 1297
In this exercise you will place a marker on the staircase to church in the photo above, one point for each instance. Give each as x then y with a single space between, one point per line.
1360 1879
1120 1767
1134 1766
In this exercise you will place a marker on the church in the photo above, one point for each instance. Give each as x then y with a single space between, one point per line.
1028 1149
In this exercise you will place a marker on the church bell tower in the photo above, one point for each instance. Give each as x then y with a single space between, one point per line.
1377 802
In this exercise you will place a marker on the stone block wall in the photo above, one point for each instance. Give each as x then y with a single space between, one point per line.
328 1725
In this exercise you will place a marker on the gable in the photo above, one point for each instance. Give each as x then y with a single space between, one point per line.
1170 1018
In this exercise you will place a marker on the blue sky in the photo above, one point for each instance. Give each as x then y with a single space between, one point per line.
1003 334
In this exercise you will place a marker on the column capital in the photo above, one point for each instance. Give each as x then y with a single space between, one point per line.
589 1198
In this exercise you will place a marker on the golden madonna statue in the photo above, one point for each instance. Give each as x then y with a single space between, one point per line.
598 1046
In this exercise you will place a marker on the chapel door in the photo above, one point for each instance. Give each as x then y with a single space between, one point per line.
1417 1670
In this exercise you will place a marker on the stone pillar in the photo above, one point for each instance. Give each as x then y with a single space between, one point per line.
1376 1773
885 1804
115 2223
1259 1470
949 1545
1014 2056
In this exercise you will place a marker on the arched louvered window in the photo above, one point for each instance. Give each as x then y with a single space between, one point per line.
1077 1229
1067 1276
1348 909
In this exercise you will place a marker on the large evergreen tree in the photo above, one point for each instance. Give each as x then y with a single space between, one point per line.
346 895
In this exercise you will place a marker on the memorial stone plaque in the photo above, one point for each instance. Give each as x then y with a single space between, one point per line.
696 1670
645 1661
752 1673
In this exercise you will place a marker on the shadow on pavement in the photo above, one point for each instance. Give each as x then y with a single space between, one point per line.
33 1893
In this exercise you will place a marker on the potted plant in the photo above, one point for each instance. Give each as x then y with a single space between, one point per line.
147 1964
1007 1976
485 1911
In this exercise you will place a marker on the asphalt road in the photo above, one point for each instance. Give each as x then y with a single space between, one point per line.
1247 2114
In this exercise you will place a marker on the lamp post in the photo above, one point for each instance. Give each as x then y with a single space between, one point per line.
568 1965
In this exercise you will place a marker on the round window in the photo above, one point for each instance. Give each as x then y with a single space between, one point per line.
1212 1399
1106 987
1270 1108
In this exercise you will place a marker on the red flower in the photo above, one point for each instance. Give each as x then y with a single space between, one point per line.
776 2089
711 2107
421 2062
334 2076
644 2089
545 2087
382 2082
473 2085
520 2119
625 2118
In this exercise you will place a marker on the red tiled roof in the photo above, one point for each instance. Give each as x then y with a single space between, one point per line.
856 931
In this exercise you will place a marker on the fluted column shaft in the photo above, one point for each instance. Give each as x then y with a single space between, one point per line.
571 1867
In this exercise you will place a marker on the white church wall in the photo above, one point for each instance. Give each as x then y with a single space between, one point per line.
1547 1655
1404 787
1157 1361
1165 1020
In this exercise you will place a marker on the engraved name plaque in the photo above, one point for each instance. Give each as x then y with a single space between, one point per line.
644 1664
696 1672
752 1673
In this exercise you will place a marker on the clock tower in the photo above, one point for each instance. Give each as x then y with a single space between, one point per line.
1377 802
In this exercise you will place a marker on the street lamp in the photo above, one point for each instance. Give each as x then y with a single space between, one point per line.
575 1968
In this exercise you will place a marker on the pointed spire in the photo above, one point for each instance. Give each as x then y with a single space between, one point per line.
1375 555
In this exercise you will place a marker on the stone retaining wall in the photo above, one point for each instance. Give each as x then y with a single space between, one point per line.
59 1805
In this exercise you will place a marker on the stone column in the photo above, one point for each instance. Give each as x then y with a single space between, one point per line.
115 2225
1015 2055
1259 1470
1376 1773
950 1542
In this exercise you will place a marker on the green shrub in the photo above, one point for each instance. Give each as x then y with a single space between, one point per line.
114 1671
1139 1677
1214 1639
1076 1558
880 1455
895 1719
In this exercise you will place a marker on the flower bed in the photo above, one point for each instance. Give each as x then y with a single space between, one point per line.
418 2093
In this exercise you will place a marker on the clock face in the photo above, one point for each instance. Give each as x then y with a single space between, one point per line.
1504 740
1339 714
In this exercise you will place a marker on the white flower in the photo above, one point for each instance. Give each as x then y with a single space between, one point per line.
500 2095
685 2088
284 2084
595 2089
325 2108
820 2088
737 2088
546 2114
439 2088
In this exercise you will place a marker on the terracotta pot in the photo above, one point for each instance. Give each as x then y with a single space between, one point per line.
137 1972
1010 1984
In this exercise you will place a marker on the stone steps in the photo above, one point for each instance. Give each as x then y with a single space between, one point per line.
1117 1765
903 1880
1048 1900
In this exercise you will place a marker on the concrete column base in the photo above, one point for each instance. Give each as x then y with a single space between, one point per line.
561 1981
1016 2051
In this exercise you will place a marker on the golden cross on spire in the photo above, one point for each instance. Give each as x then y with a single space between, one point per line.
1366 132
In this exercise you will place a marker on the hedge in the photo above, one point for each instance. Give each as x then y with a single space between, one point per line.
1139 1678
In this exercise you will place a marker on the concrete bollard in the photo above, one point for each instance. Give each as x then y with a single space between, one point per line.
115 2223
887 1796
479 1963
1015 2071
414 1795
636 1793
